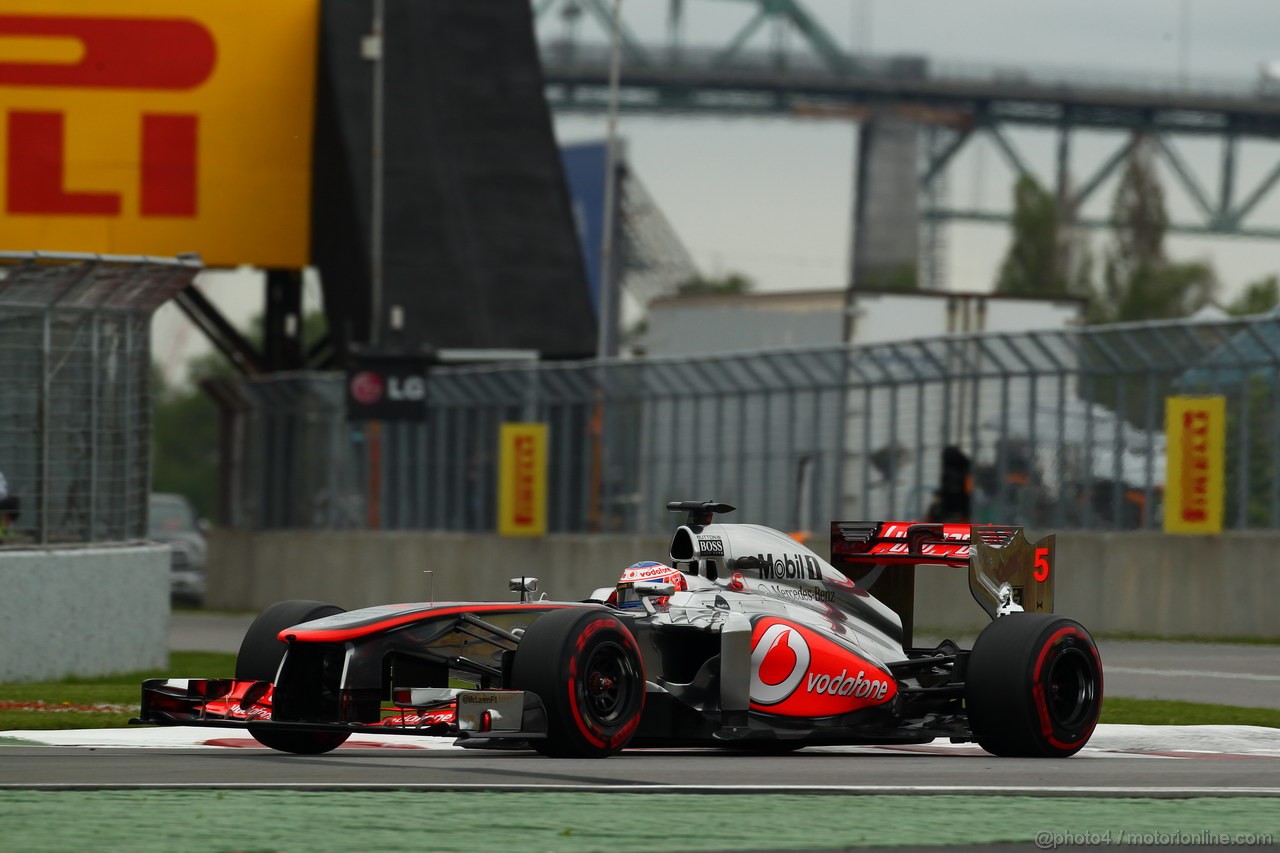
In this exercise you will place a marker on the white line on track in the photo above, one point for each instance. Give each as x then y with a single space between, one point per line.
998 790
1191 673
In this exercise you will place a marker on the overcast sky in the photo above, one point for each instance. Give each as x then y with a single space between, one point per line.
772 198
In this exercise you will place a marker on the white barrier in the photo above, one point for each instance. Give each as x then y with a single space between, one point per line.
83 611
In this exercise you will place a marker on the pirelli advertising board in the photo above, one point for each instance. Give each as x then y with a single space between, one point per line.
1195 476
522 479
154 127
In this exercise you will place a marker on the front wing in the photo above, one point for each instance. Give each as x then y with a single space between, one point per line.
471 715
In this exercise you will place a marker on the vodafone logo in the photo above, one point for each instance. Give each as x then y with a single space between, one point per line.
635 573
366 388
847 685
779 662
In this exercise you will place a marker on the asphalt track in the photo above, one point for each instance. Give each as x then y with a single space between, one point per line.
1121 760
221 793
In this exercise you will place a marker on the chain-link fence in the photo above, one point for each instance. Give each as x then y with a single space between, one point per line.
1064 429
75 402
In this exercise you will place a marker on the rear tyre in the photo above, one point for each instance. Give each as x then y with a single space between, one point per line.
585 666
259 660
1033 687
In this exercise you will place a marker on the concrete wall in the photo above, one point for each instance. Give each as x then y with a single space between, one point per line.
1139 583
355 569
87 611
1142 583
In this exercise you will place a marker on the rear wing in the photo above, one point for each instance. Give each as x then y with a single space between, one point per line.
881 556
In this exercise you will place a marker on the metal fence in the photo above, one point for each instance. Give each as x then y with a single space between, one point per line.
75 402
1065 429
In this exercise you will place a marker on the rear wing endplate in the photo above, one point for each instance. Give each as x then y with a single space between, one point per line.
881 556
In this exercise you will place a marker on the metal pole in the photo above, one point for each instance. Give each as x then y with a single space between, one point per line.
377 109
46 350
650 456
606 346
130 430
1184 43
95 436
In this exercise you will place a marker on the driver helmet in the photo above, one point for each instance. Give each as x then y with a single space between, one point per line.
624 595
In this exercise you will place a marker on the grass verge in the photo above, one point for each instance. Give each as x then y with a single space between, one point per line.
98 703
1213 639
1167 712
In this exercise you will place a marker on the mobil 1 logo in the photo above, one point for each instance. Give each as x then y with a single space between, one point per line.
789 567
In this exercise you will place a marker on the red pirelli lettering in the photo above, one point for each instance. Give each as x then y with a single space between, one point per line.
35 166
118 53
169 165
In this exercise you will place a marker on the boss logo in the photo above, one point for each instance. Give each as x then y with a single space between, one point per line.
711 547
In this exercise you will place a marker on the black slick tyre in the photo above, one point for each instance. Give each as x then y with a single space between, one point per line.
1033 686
259 660
585 666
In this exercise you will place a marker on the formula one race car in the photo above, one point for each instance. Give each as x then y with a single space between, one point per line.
749 640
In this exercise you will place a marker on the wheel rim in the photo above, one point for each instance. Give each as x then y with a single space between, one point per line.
1071 688
608 683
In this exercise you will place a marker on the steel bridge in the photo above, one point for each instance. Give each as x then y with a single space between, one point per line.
802 71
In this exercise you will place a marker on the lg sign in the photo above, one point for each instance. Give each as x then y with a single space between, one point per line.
387 386
115 53
367 388
142 132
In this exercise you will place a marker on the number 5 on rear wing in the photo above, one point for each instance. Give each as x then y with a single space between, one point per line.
1006 572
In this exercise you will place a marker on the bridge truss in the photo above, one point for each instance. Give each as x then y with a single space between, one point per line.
804 72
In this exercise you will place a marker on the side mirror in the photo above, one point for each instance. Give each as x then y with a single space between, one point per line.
526 586
645 589
652 589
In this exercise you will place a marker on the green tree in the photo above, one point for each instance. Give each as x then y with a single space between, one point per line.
184 442
1139 282
903 277
184 432
1252 458
1032 266
724 285
1259 297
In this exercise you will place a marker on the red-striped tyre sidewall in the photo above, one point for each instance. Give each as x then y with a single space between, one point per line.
564 657
1034 686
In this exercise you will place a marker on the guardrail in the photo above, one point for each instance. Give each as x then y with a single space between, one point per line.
75 400
1063 428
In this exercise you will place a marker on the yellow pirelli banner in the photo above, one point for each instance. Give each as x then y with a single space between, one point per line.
522 479
155 127
1195 474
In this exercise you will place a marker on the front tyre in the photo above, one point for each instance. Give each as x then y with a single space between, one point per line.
259 660
1033 686
585 666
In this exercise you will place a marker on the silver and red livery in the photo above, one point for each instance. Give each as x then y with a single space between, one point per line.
747 639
